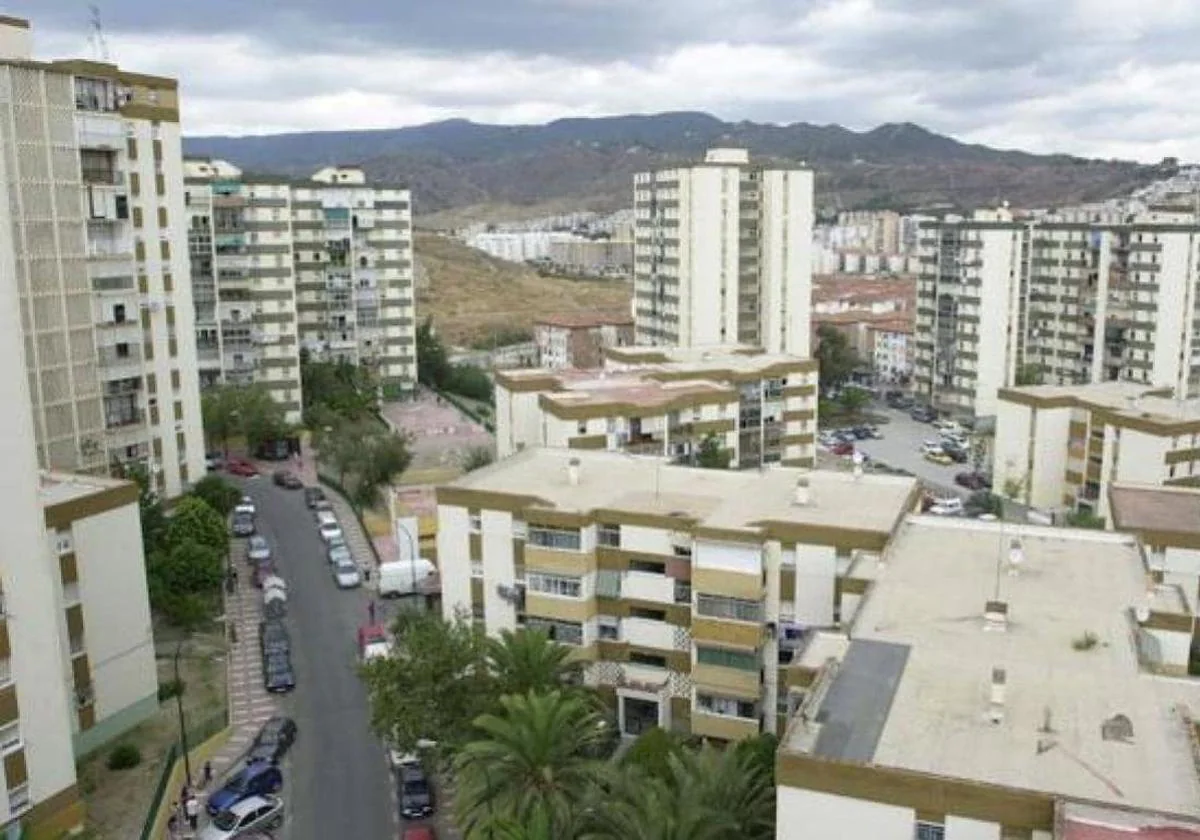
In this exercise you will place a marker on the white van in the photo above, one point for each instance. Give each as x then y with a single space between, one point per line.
402 576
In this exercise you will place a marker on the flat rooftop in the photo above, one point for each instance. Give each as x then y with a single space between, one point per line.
633 389
56 488
1150 508
1125 399
913 690
726 499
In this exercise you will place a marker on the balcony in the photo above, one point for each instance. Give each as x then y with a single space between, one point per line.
124 419
96 132
114 284
110 248
119 356
725 727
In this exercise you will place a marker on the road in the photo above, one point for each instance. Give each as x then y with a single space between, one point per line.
337 783
901 448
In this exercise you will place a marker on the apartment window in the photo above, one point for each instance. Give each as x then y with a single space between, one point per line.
131 148
18 798
565 632
929 831
716 705
608 627
649 659
162 217
560 539
77 645
135 184
608 583
474 522
137 217
738 609
164 249
683 592
608 535
64 543
649 615
582 427
652 567
10 737
560 585
71 593
739 660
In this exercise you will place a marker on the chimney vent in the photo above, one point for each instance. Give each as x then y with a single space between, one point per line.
995 616
1016 558
802 495
997 694
573 472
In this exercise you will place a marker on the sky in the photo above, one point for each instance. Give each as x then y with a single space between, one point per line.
1101 78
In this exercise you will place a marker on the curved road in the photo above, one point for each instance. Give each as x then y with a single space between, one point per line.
337 785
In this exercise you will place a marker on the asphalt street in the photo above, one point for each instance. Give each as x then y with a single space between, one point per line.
337 782
901 448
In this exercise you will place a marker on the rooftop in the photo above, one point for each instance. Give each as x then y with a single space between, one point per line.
1140 508
633 389
1125 400
740 500
914 689
583 320
1087 822
57 488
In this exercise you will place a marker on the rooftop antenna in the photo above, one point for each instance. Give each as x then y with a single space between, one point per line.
96 38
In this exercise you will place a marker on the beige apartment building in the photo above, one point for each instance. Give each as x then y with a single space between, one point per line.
723 254
997 682
322 265
94 183
1066 298
761 408
1062 447
681 589
578 340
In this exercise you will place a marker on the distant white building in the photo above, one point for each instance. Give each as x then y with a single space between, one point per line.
520 246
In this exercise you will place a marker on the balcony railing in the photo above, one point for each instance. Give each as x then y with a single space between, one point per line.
110 249
119 283
124 419
109 357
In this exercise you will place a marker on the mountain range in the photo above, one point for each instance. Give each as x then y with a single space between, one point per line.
588 163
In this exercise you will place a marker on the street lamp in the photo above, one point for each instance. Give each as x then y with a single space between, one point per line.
187 762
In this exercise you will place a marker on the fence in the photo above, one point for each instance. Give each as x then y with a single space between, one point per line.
196 735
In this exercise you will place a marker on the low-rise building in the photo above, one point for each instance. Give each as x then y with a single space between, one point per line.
1060 447
578 340
667 401
993 678
1167 522
891 349
681 589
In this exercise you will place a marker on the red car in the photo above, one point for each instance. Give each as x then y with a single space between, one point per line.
418 832
843 448
240 466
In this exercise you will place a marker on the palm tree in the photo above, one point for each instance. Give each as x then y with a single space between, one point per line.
532 758
537 826
526 660
731 783
633 805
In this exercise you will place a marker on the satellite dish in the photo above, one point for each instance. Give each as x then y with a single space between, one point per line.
1142 614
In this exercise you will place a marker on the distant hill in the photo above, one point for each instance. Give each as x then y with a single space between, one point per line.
587 163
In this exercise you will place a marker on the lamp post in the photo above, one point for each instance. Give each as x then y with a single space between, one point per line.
187 762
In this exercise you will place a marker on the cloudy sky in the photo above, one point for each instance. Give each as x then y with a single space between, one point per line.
1108 78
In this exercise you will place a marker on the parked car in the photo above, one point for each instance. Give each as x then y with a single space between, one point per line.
254 814
347 575
258 550
274 609
971 480
321 506
242 467
312 495
246 505
416 796
330 531
923 414
273 638
273 741
337 541
277 673
947 507
213 461
274 583
957 454
261 572
257 779
843 448
287 480
418 832
931 447
243 525
939 458
372 642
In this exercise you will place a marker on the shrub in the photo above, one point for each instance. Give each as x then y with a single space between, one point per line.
124 756
170 689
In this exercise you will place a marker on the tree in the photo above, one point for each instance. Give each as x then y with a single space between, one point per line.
711 455
731 783
193 521
433 686
217 492
219 413
184 581
640 807
476 458
338 388
248 411
469 381
853 400
836 359
652 753
526 660
433 362
150 511
1085 519
1029 374
366 456
533 756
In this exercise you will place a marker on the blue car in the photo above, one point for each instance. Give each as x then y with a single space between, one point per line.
258 779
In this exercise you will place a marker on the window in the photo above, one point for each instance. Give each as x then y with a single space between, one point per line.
718 606
649 659
582 427
929 831
64 543
77 645
10 737
475 522
18 798
560 585
609 535
727 658
560 539
649 615
5 671
565 632
608 583
71 593
730 706
608 627
683 592
649 566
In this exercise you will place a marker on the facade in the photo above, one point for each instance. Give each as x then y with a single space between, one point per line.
891 350
681 589
761 407
602 257
723 254
994 678
95 187
579 341
1062 447
323 265
1070 298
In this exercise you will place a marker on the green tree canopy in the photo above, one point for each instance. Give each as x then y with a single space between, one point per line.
477 457
366 456
248 411
836 358
336 389
853 400
217 492
433 362
193 521
526 660
711 455
184 581
150 510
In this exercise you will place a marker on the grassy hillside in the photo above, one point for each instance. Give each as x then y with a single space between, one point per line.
473 297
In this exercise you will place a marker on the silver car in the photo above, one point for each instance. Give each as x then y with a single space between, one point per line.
347 575
258 550
340 554
257 813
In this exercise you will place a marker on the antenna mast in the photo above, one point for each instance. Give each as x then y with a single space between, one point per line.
96 39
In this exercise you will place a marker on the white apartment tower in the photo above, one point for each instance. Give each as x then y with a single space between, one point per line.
723 254
322 265
1068 298
94 183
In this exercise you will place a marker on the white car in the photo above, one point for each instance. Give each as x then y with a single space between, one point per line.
931 447
330 531
256 813
347 575
246 505
339 553
947 507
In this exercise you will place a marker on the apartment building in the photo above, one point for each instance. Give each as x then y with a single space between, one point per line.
578 340
322 265
997 681
891 342
760 407
681 589
95 187
1061 448
1070 298
1166 520
723 254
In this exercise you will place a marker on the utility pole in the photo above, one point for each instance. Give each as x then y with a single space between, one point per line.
187 761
